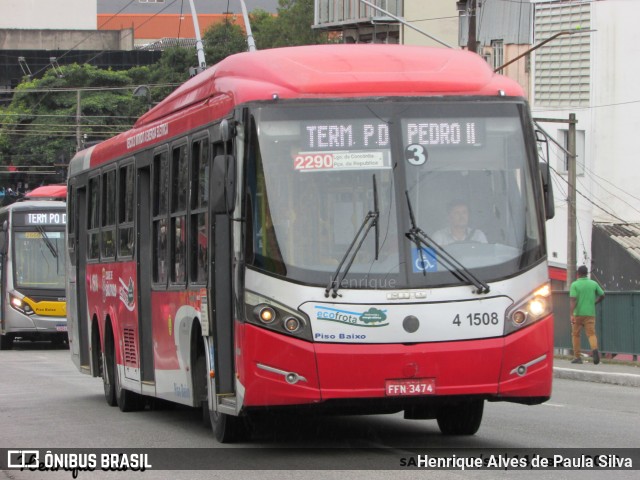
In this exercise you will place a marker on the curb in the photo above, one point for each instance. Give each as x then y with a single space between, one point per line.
624 379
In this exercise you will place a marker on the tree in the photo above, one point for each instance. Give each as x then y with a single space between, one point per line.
292 26
171 70
39 126
222 40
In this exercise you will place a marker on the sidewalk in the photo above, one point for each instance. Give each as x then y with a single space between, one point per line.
613 372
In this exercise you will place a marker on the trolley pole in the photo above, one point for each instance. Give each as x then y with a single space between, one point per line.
202 64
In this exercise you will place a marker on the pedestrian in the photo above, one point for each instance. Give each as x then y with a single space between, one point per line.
584 294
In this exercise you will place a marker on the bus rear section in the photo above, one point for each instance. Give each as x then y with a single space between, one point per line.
32 254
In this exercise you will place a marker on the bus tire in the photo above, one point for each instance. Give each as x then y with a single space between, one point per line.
229 428
6 341
201 375
107 381
128 401
461 419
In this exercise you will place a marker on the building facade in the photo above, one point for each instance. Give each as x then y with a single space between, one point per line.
592 74
48 15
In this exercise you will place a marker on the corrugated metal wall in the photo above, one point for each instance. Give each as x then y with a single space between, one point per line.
345 11
617 323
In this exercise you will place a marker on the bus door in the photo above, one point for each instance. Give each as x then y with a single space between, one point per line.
221 284
82 325
144 259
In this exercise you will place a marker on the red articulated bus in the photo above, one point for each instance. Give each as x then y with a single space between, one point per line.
273 236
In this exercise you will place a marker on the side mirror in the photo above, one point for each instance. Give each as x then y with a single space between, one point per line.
547 190
223 184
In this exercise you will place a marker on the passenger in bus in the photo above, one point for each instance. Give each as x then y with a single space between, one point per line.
458 230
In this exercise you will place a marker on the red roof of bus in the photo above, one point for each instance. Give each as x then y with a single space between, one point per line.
319 71
52 192
340 71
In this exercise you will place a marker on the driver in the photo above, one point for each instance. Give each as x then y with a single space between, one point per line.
458 229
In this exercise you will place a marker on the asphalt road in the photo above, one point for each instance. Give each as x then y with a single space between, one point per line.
46 403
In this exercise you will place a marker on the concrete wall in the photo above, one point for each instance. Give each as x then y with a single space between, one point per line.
438 19
22 39
49 14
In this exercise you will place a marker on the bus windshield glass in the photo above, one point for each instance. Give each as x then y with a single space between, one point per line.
463 166
39 261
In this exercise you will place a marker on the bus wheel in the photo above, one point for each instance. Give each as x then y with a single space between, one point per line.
6 342
200 374
461 419
107 381
128 401
229 428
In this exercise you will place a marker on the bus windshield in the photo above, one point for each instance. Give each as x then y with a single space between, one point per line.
39 261
462 165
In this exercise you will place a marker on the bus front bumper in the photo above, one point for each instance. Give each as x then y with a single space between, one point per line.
279 370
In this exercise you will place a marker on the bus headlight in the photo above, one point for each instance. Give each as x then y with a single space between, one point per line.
21 305
266 313
530 309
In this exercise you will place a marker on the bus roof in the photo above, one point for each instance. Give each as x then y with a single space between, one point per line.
307 72
339 71
48 192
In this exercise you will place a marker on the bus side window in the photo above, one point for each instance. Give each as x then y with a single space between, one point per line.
199 236
93 224
125 211
160 197
179 192
109 214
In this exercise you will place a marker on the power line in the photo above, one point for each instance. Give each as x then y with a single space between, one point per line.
87 89
588 199
583 165
87 37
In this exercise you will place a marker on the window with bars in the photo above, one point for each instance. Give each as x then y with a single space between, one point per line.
498 53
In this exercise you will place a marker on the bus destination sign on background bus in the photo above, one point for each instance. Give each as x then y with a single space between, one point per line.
40 218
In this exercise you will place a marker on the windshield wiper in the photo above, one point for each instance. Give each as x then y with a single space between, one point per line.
50 246
419 237
370 220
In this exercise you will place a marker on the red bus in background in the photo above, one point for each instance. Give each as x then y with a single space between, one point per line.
265 238
48 192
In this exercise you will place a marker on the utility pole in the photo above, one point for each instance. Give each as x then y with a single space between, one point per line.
78 116
571 217
472 43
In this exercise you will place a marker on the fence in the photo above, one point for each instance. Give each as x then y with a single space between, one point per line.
617 323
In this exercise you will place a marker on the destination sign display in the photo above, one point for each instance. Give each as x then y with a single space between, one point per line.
443 132
359 134
367 134
40 218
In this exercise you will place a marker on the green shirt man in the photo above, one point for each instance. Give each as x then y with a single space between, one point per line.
584 293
